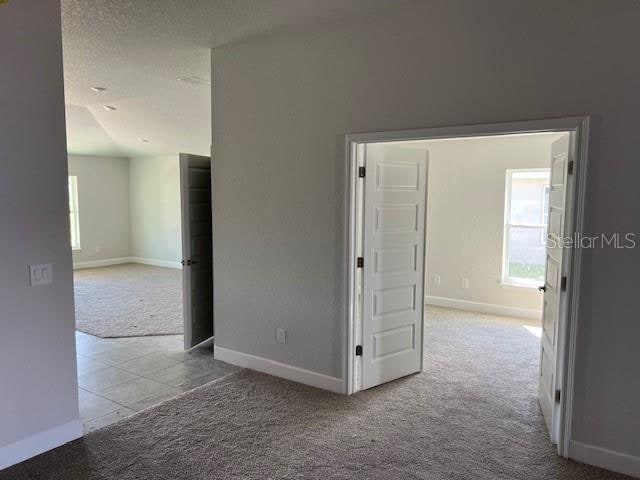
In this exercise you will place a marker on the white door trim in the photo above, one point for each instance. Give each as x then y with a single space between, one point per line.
578 126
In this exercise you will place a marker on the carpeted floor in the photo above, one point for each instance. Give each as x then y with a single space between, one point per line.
128 300
472 414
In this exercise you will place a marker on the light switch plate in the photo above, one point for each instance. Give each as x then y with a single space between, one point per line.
40 274
281 335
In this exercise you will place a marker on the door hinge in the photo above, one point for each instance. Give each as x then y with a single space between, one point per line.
358 350
570 168
563 283
360 262
361 172
557 397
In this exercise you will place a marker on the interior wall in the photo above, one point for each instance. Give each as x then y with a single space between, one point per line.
155 208
103 207
39 399
283 102
465 217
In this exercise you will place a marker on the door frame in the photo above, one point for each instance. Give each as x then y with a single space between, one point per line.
578 128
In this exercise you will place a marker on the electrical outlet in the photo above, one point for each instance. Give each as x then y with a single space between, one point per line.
281 335
464 282
98 249
436 279
40 274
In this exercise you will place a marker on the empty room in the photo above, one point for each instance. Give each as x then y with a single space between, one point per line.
467 224
113 225
133 347
140 232
319 239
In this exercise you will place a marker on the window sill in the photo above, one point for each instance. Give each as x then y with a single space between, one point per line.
507 284
79 249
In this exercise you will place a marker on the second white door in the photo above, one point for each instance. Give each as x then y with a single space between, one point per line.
555 284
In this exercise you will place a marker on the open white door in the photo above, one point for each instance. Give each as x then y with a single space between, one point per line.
395 193
554 288
197 269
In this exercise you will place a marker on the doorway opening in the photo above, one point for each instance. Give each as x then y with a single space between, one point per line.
462 230
141 240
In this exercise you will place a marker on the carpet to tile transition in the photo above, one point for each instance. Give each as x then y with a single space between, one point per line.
128 300
472 414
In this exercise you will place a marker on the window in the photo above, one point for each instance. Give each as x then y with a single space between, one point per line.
525 231
74 219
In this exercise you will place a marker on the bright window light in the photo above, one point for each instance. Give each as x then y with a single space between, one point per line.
74 218
525 228
537 331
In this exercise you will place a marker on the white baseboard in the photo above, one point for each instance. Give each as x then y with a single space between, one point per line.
603 458
101 263
119 261
277 369
489 308
156 263
39 443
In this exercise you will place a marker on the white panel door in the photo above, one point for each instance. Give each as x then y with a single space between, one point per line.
197 270
553 289
395 190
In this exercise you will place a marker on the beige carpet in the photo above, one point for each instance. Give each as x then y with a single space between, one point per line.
128 300
472 414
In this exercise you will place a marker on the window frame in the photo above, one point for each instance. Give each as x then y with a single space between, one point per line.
74 214
505 279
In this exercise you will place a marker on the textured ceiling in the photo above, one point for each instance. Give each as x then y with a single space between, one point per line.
138 49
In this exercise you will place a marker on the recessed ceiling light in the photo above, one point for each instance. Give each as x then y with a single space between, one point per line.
99 89
143 140
194 80
111 108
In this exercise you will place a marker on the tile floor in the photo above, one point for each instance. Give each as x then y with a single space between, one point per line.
118 377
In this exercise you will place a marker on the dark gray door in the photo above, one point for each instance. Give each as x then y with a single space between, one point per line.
197 266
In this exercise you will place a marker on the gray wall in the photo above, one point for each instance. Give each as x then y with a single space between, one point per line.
283 102
103 206
128 207
155 208
37 342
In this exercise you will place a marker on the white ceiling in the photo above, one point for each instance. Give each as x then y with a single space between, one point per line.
138 49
